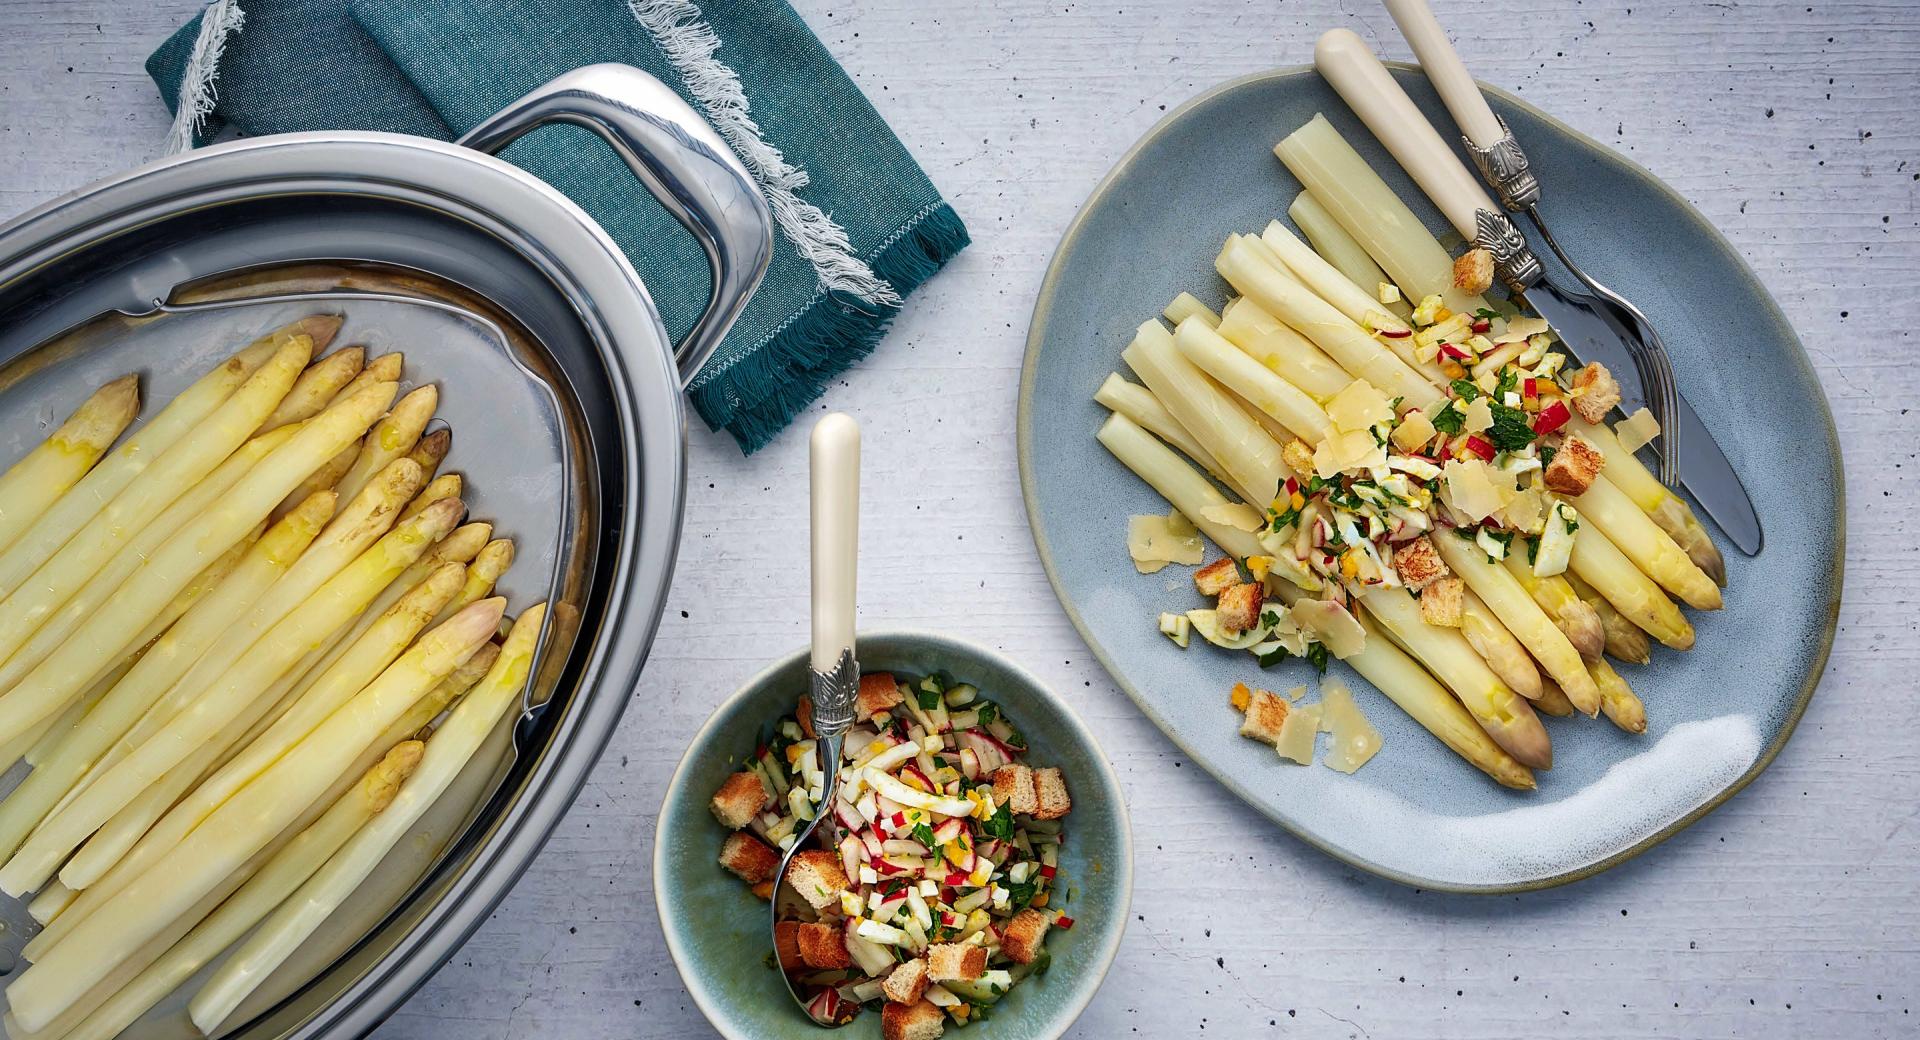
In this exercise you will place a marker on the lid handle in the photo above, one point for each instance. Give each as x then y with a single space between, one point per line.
682 161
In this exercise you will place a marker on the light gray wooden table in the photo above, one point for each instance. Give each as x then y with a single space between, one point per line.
1793 911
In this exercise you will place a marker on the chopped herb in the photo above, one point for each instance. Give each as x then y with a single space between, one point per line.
1533 550
923 834
1285 520
1464 533
1486 314
1465 390
1547 452
1317 656
1449 420
1019 895
1567 518
929 700
1508 382
988 712
1275 656
1000 825
1269 618
1397 402
1511 431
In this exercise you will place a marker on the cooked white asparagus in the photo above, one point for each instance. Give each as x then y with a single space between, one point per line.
392 438
1242 446
1186 305
265 889
431 450
1601 564
1667 509
1625 640
327 609
31 486
447 485
1286 404
1622 707
112 475
486 570
1291 356
1331 241
1524 618
57 771
453 743
1319 321
1177 482
179 468
1607 507
1136 402
69 720
383 369
1576 619
242 825
1358 304
1497 646
316 387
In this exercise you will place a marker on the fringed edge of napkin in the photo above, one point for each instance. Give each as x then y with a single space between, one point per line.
758 395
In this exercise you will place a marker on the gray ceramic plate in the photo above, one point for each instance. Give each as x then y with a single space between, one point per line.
1717 714
717 931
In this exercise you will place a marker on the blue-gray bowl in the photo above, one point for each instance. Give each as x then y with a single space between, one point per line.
716 929
1717 715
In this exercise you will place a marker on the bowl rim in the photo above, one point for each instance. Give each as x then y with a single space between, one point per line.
1119 874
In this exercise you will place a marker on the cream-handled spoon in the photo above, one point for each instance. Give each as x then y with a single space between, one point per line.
834 678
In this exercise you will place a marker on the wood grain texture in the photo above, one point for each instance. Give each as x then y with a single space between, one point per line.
1792 911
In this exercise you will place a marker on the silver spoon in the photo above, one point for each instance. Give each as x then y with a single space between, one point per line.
835 674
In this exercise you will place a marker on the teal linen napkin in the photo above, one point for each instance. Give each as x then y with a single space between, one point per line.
438 67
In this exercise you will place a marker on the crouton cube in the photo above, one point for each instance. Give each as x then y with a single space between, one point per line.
1298 455
1050 790
786 945
1574 467
764 891
879 691
1217 577
1442 601
1599 392
1473 272
1266 713
1022 938
818 878
748 857
1013 788
824 946
917 1021
1419 564
947 962
740 799
907 982
1239 607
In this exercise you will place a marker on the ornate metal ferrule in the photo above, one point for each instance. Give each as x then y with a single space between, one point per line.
1506 170
833 695
1516 264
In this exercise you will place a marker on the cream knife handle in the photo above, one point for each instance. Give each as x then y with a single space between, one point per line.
1368 88
1449 74
835 533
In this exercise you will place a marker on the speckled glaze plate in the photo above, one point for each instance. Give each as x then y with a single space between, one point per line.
1418 814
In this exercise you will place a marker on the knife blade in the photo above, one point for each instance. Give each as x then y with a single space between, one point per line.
1704 468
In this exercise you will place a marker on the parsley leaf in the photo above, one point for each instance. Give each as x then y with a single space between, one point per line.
1019 895
1317 656
927 698
1511 431
1449 420
923 834
1000 824
1465 390
1547 452
1486 314
1509 381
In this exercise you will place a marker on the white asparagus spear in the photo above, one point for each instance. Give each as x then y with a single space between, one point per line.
1622 707
1575 618
392 437
1331 241
265 889
1293 357
101 587
315 388
453 743
56 772
1248 453
50 901
242 825
384 369
1360 306
366 658
447 485
182 466
104 635
112 475
31 486
329 608
1667 509
1607 507
1136 402
1319 321
1639 598
1625 640
431 450
1522 617
486 570
1187 305
1285 403
1498 647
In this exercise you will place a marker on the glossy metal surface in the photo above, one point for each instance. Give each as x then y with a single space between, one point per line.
573 440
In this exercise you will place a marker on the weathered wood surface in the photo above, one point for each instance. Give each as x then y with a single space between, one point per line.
1792 911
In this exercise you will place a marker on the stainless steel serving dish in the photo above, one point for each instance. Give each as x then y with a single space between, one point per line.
557 377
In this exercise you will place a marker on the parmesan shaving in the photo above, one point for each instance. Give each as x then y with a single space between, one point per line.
1153 544
1637 429
1521 327
1331 624
1354 740
1474 489
1237 515
1297 734
1479 415
1527 513
1359 407
1347 450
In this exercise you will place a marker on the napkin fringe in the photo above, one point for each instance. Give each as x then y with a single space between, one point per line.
791 369
198 92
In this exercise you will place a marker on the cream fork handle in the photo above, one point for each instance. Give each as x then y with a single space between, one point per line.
835 535
1368 88
1448 73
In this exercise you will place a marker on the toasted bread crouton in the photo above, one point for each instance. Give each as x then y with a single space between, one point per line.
1266 713
749 857
1575 466
786 945
1023 935
918 1021
764 890
817 876
1013 788
1298 455
740 799
1239 606
1442 602
907 982
1599 392
1419 564
824 946
1473 272
947 962
1217 577
1050 790
879 691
